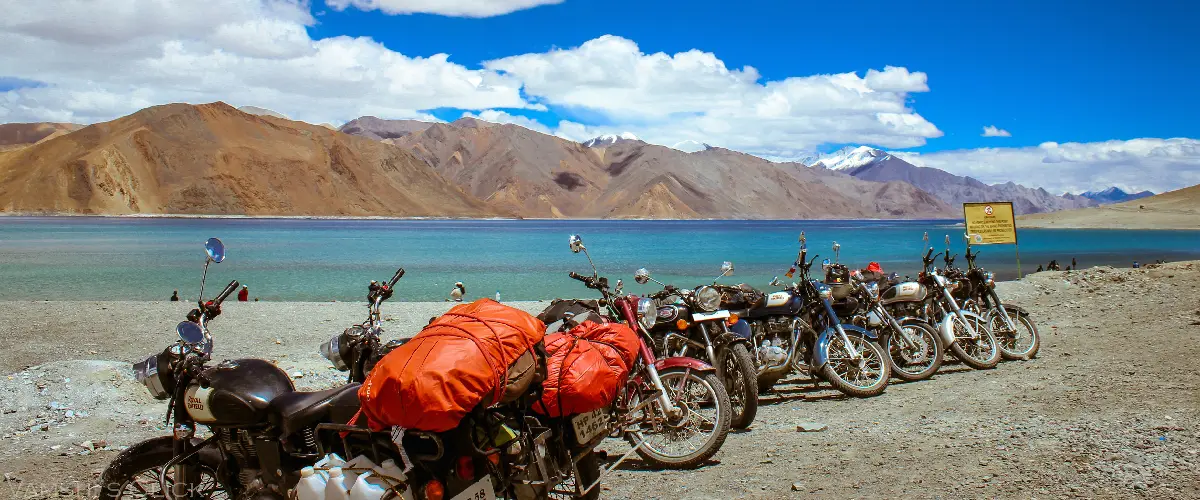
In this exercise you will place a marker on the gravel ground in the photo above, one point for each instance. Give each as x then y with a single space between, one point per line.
1109 409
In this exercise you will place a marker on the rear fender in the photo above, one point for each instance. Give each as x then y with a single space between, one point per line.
821 356
662 364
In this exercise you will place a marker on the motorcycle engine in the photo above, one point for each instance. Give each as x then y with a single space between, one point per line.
773 338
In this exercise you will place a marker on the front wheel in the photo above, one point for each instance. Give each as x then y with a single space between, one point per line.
736 368
587 471
979 352
1021 343
134 474
919 361
863 377
692 436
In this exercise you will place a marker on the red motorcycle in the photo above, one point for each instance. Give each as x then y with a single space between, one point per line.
673 411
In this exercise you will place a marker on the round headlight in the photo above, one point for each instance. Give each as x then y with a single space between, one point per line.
708 299
824 290
990 278
873 288
647 312
157 382
332 350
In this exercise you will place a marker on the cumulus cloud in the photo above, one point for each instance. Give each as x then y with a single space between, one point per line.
992 131
693 95
95 60
1155 164
458 8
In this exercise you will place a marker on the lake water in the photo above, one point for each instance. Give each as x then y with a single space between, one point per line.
96 258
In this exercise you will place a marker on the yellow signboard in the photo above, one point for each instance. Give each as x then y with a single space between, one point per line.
990 223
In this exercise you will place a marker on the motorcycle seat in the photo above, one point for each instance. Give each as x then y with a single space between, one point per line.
295 411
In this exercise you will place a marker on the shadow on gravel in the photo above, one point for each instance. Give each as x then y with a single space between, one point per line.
637 464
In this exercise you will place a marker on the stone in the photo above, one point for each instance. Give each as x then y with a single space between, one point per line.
811 427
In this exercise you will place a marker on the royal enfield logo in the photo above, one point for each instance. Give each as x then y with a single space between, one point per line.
194 403
988 211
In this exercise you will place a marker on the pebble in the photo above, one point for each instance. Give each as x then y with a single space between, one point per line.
811 427
798 486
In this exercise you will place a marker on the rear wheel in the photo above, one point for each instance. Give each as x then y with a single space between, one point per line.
861 377
688 439
919 361
587 472
736 368
134 474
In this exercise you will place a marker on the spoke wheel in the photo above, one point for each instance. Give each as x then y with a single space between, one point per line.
919 362
1021 343
864 376
692 437
134 474
740 375
979 352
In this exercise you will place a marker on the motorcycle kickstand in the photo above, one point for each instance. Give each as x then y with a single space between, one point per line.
608 470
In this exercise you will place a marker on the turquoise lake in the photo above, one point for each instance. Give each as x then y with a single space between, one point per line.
98 258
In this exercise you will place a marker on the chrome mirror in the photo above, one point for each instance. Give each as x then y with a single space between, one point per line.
641 276
825 264
837 249
215 250
190 332
803 241
620 287
577 243
726 268
774 281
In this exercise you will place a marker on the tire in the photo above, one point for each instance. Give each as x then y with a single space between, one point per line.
589 471
713 440
903 367
1010 343
983 356
134 469
740 375
875 362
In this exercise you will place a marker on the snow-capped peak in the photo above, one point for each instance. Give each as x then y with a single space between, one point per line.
849 158
690 146
610 139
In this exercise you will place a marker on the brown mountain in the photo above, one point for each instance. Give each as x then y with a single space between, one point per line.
214 159
18 135
1179 209
519 170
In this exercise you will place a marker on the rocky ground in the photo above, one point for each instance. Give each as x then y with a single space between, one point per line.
1110 408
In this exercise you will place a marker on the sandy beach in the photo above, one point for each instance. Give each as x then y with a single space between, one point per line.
1110 408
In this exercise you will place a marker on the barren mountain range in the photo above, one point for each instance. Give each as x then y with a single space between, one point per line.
214 159
1179 209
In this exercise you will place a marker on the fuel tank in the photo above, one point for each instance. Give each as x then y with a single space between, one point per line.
909 291
784 303
238 392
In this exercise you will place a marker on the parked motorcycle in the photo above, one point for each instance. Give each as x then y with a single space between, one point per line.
359 348
1016 334
264 436
691 322
931 298
674 411
785 327
915 352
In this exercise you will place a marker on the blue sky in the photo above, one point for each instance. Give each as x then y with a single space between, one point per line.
1045 71
1084 95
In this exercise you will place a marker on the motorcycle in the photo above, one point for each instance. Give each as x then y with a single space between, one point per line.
931 298
1016 334
913 347
692 321
359 348
673 411
785 327
264 436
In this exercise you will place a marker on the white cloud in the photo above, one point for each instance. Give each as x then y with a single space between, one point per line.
459 8
99 59
992 131
1155 164
693 95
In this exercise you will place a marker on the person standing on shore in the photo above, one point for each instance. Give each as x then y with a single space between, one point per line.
1073 264
175 296
458 291
244 295
1136 265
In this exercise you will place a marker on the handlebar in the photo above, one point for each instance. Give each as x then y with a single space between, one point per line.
399 274
226 292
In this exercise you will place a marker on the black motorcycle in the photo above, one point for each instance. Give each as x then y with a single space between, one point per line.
264 433
359 348
915 351
1016 334
691 322
797 329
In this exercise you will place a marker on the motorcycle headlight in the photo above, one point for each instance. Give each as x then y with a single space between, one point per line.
990 278
708 299
647 312
160 384
873 288
824 290
332 349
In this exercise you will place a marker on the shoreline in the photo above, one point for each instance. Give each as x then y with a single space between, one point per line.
432 218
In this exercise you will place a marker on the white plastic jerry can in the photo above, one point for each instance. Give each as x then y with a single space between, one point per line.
336 488
368 487
311 485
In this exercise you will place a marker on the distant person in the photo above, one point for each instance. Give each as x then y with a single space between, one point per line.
175 296
1053 266
1136 265
244 295
458 291
1073 264
1039 269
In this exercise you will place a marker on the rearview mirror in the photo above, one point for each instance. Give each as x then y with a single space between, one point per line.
190 332
641 276
576 243
774 281
947 240
825 264
726 268
215 250
620 287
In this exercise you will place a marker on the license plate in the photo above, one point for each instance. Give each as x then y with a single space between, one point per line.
708 316
481 490
589 425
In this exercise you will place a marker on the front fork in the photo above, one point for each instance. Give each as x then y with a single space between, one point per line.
958 312
896 327
837 325
663 398
1008 322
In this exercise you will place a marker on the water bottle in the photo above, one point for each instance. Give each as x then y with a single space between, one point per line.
368 487
311 485
336 488
390 470
497 295
360 462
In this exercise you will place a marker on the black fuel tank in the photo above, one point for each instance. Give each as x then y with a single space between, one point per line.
238 392
784 303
